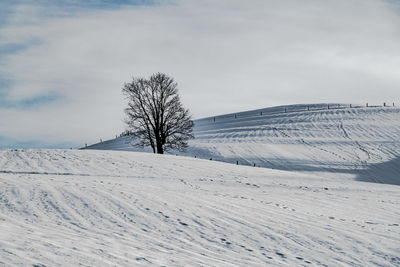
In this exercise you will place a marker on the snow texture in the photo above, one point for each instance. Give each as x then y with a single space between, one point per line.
314 205
116 208
359 143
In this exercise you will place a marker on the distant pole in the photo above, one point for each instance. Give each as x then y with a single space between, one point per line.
101 140
214 119
393 104
237 162
350 105
384 104
285 110
85 145
366 105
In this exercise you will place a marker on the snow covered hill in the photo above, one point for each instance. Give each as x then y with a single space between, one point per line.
115 208
360 143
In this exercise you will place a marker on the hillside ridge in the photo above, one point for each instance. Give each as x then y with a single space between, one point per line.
309 138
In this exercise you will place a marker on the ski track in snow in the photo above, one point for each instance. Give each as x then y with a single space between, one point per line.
107 208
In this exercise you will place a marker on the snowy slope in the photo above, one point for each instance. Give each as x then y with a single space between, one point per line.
360 143
107 208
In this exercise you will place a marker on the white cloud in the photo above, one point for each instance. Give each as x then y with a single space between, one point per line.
226 56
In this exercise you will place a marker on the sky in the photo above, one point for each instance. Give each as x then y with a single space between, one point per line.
63 63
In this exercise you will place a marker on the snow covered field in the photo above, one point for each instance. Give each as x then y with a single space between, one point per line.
107 208
359 143
330 196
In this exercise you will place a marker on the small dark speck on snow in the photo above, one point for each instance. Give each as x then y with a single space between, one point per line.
280 254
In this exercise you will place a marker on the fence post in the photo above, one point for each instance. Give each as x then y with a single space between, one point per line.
308 108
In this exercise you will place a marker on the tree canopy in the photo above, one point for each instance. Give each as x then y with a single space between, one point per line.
155 115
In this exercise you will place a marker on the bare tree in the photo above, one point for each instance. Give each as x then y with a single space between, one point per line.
155 115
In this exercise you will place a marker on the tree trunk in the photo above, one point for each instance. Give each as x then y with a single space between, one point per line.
160 149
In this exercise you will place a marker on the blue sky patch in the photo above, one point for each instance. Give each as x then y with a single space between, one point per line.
11 48
27 103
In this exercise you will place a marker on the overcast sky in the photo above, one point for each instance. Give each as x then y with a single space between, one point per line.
63 63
